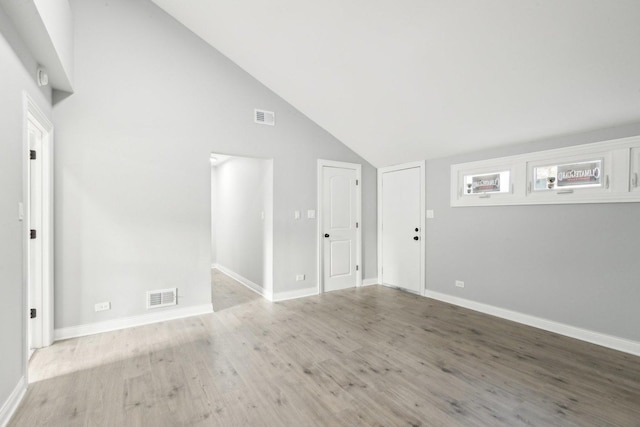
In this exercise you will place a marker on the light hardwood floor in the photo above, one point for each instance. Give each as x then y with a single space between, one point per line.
369 356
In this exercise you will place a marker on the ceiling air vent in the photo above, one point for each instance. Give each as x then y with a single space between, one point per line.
162 298
264 117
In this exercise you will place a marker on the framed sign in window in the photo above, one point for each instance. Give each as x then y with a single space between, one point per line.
573 176
494 182
489 184
568 176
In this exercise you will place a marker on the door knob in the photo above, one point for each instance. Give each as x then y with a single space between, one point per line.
326 235
415 237
417 229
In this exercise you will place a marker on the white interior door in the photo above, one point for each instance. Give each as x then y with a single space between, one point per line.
35 247
339 227
402 228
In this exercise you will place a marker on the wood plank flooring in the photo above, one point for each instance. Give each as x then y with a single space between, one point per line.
372 356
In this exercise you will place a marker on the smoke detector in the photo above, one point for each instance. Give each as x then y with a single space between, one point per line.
42 78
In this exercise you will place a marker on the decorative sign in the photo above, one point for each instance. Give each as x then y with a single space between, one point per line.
579 174
570 175
485 183
497 182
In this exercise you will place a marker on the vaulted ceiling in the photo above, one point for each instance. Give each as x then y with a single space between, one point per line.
401 80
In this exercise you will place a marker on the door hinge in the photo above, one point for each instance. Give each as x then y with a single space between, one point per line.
357 267
356 182
32 154
357 225
32 234
32 313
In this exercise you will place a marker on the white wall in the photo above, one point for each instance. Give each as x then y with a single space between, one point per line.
15 79
151 102
243 238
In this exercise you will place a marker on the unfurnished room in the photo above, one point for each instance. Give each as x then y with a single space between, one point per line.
339 213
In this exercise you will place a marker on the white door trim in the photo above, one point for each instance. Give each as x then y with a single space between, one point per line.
423 231
358 168
33 114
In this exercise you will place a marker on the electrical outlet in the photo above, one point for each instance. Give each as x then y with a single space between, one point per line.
299 277
103 306
459 283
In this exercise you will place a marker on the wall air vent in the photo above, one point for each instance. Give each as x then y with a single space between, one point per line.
162 298
264 117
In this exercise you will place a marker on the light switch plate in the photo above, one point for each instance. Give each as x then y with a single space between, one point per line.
296 214
430 214
311 214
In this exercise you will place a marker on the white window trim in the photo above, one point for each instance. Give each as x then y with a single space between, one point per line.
621 163
634 172
485 167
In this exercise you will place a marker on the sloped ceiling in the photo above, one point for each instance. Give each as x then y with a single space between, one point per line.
401 80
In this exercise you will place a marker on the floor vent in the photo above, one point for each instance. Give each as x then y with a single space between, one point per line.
162 298
265 117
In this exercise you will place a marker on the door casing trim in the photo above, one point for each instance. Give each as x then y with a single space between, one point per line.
31 112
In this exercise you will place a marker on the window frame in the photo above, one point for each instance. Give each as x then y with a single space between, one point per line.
620 180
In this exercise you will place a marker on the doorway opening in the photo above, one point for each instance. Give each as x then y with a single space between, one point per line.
37 215
241 225
339 225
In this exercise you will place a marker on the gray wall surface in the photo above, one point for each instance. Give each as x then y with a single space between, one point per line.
151 102
574 264
14 80
243 191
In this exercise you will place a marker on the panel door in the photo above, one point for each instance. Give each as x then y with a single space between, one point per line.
401 233
339 228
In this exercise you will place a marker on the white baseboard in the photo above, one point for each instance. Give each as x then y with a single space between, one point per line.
11 404
298 293
610 341
243 280
129 322
370 281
